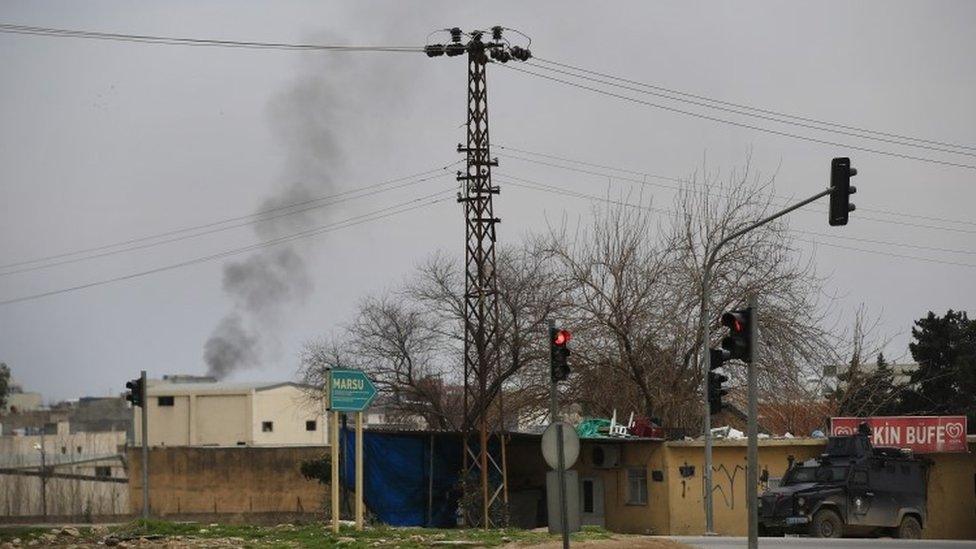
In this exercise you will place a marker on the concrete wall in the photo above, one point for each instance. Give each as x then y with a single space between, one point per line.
190 480
675 503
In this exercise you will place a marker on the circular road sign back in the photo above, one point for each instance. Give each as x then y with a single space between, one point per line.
571 445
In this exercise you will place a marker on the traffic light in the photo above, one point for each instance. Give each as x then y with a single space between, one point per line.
136 392
559 353
738 344
716 380
841 190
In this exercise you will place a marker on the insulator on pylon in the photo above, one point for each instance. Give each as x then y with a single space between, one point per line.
434 50
520 53
455 49
455 34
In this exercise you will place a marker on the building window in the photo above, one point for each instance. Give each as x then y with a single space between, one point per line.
267 426
164 401
587 496
637 486
64 449
310 425
103 471
79 449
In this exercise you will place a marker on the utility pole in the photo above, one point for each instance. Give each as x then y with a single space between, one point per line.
145 448
839 192
481 338
43 476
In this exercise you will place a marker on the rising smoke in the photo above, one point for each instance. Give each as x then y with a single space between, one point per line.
268 284
333 101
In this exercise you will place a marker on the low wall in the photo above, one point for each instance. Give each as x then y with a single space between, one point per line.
226 480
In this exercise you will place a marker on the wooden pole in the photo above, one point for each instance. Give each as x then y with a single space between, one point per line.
359 470
334 443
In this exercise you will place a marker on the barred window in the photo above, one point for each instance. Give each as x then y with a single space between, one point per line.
637 486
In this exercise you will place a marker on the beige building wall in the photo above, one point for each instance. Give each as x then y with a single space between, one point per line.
222 420
291 415
24 402
214 414
168 425
675 502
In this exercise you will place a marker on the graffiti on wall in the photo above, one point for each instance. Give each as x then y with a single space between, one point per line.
723 480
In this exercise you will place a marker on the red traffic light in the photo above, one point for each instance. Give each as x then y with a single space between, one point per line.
562 337
734 322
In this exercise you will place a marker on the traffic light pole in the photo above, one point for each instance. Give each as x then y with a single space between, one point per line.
561 453
752 453
145 449
706 366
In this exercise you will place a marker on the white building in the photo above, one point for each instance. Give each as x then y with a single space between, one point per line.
192 413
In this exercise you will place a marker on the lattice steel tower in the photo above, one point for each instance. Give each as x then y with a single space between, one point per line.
484 475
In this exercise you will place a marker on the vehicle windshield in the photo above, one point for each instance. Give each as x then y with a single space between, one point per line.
823 473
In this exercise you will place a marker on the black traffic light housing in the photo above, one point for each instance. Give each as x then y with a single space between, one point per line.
716 380
136 394
841 191
738 344
559 353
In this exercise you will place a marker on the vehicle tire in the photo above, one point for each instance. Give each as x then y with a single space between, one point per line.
826 524
910 528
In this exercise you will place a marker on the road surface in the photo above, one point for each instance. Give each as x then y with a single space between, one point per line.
716 542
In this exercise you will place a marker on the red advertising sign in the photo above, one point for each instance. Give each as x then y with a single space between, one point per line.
923 434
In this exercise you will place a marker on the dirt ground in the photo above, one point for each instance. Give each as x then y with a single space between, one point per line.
617 542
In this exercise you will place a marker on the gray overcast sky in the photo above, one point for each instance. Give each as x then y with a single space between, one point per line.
105 141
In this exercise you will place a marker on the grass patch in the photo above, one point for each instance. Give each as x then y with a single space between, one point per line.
318 534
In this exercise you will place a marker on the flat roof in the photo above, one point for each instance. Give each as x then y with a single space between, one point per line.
167 388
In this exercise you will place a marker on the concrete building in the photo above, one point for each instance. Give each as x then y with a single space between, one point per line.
19 400
207 413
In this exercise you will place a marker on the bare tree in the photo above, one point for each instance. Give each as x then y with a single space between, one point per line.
637 292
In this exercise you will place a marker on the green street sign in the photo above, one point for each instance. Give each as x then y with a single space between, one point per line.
350 391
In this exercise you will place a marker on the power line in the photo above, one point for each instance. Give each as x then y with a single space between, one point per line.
153 239
738 124
175 41
350 222
645 182
764 114
564 192
692 183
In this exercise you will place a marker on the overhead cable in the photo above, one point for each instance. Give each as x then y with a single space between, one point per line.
396 209
567 192
764 114
649 183
219 226
174 41
738 124
693 183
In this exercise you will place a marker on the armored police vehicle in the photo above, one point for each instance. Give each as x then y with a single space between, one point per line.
853 489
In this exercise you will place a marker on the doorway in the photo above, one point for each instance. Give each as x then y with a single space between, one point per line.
591 502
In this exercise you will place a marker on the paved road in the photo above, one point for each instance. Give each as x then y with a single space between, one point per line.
776 543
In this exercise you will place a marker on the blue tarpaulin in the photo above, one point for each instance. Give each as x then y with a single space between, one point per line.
397 478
